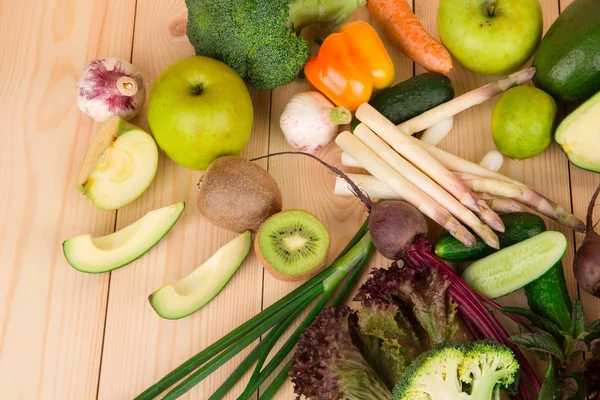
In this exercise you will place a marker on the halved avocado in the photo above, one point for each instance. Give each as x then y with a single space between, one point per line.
119 166
105 253
188 295
579 135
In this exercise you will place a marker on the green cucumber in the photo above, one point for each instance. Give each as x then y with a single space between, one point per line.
412 97
566 60
548 297
518 227
515 266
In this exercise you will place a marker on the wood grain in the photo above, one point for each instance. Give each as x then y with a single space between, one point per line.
51 316
68 335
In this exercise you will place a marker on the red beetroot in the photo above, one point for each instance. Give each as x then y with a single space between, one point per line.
587 259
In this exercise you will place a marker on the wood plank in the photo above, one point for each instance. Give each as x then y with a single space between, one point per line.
471 138
140 347
308 186
583 184
51 316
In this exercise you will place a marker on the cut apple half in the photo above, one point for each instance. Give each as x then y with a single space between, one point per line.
105 253
119 166
188 295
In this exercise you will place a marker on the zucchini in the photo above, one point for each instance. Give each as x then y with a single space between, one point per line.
412 97
518 227
548 297
515 266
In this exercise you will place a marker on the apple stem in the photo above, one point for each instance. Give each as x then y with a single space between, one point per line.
490 7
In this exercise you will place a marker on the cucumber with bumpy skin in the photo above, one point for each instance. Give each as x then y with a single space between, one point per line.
412 97
515 266
548 296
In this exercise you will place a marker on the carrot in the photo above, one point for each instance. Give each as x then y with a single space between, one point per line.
404 29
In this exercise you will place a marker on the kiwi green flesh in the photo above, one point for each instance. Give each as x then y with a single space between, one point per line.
293 242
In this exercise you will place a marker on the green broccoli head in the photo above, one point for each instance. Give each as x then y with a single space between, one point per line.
458 372
486 364
258 38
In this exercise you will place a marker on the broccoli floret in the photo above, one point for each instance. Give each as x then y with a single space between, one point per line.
458 372
259 39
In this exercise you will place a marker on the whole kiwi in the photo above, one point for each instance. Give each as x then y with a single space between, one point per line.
237 194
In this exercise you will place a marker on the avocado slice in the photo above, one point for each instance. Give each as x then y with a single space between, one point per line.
103 254
188 295
578 135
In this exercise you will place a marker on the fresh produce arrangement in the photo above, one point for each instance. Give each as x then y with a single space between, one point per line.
419 328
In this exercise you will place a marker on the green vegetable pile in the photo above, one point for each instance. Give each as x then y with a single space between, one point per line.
259 39
400 344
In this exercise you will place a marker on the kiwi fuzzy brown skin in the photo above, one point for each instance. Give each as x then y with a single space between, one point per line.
237 194
285 277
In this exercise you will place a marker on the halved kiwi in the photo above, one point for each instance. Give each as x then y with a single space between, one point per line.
292 245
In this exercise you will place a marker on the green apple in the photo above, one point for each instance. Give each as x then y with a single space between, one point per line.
199 109
491 37
189 294
119 166
105 253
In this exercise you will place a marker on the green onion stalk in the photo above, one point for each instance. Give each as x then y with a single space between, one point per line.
276 318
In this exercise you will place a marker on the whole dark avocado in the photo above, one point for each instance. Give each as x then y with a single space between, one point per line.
568 58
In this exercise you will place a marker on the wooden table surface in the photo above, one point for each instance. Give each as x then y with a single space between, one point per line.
69 335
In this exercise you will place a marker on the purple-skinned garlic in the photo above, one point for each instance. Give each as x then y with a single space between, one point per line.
109 86
310 121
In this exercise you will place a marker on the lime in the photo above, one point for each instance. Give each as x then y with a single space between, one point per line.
523 122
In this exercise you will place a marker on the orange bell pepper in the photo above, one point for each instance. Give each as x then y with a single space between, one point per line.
350 64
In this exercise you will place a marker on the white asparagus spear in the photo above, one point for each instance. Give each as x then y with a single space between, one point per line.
348 161
411 194
530 197
426 184
492 186
500 204
436 133
368 184
475 183
410 149
379 190
467 100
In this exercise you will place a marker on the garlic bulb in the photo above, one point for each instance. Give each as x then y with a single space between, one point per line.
309 121
108 87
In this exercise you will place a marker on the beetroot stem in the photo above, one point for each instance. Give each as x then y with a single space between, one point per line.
365 199
589 225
